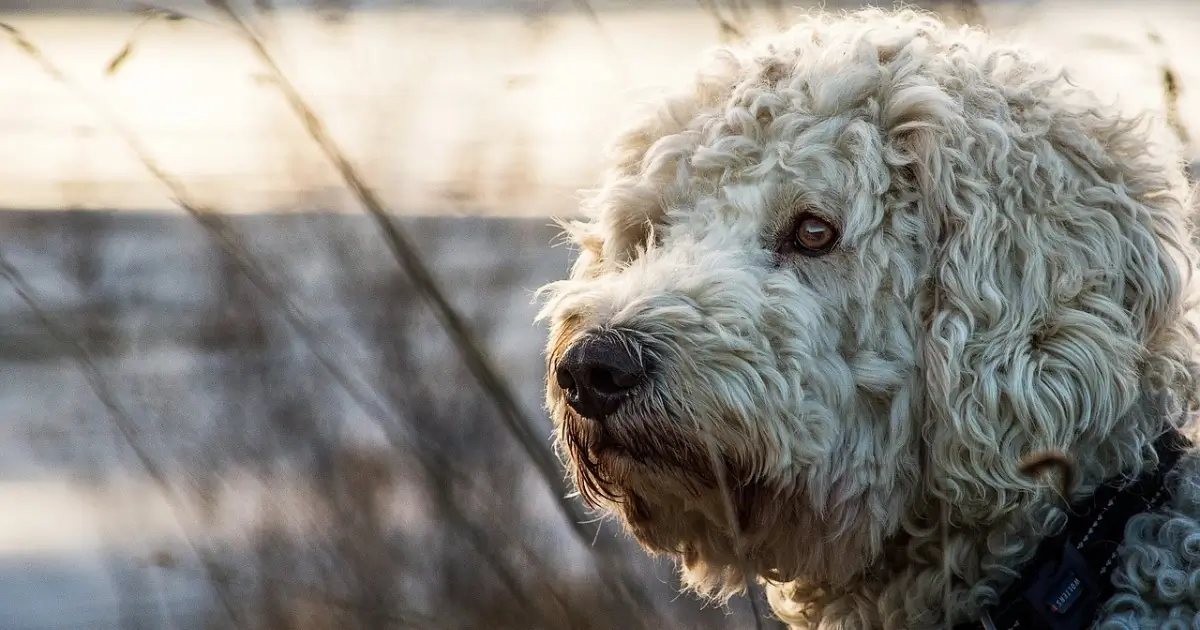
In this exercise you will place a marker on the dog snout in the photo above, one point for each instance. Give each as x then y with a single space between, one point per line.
599 372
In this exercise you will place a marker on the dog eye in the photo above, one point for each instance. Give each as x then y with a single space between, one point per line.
810 236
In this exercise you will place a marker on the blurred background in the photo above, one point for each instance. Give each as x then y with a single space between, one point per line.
267 351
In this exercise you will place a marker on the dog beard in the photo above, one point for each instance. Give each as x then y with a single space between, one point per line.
611 462
676 495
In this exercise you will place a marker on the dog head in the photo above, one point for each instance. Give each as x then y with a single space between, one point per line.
847 280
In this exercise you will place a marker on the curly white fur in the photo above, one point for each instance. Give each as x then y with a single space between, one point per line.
1013 274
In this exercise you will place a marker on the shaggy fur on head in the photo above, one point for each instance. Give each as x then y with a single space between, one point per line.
1012 276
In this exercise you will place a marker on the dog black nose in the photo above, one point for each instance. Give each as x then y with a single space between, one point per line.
599 372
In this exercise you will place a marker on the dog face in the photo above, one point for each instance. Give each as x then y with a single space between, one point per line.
845 283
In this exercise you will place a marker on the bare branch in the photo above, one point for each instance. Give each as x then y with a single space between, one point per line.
411 262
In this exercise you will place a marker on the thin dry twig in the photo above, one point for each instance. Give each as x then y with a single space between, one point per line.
150 15
585 7
222 234
1172 90
735 529
968 12
727 27
230 244
464 340
405 253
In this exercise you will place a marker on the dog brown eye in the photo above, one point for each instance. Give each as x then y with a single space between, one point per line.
813 236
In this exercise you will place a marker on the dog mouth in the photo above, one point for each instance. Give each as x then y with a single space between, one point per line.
632 458
628 440
603 451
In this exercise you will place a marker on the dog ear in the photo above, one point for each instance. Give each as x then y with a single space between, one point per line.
1055 286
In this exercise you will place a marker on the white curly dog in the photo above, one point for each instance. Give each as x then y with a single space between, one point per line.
831 297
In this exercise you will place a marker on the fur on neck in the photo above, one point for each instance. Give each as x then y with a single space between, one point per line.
937 566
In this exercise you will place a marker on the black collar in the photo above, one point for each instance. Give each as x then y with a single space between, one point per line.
1063 586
